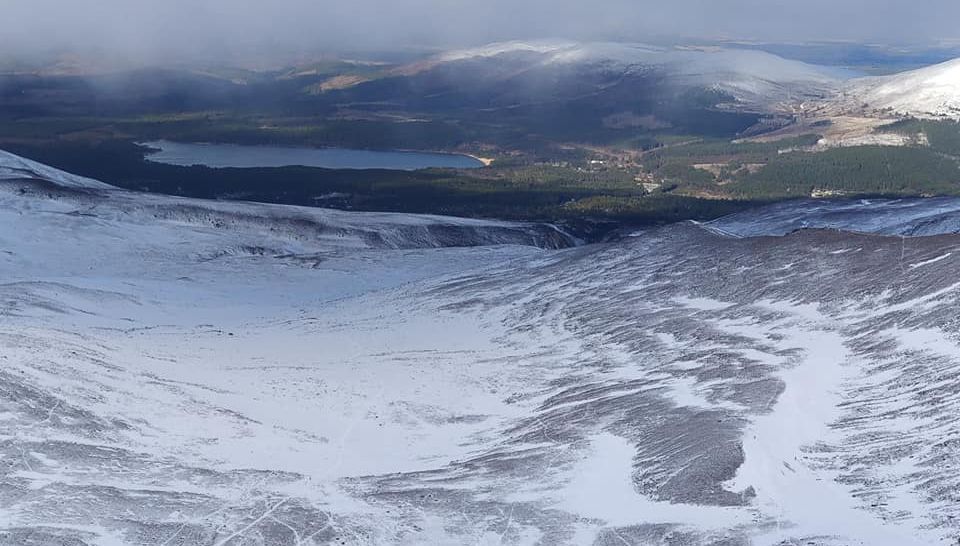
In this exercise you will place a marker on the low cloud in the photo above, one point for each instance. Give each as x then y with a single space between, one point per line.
139 30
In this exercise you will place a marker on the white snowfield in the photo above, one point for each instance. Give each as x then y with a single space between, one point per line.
929 92
183 372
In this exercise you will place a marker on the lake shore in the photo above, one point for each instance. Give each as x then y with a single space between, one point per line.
216 155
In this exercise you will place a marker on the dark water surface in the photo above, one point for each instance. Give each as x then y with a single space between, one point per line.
239 156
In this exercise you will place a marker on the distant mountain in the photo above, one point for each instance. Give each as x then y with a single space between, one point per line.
931 92
756 80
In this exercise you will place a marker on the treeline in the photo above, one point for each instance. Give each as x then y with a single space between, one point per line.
943 135
704 149
874 170
656 209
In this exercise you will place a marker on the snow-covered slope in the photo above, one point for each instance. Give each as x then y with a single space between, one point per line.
337 228
753 77
903 217
545 47
194 373
930 92
14 167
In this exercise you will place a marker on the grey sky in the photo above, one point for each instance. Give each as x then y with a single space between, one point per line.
166 29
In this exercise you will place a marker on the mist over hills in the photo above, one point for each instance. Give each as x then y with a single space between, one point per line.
577 133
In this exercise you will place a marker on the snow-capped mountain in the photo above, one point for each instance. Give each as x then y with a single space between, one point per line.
187 372
930 92
757 80
726 67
